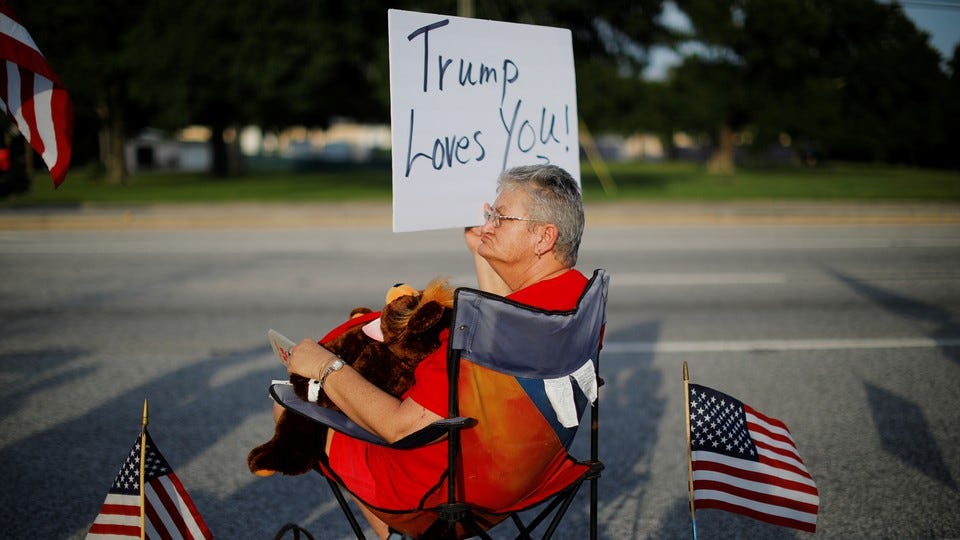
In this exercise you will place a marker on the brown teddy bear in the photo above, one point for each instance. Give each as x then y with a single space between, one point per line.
385 351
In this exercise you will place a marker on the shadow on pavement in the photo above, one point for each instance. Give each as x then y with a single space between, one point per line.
905 433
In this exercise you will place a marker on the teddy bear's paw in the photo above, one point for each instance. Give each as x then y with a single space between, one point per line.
259 460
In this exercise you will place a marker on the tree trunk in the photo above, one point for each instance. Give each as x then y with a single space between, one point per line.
218 148
112 140
721 160
227 160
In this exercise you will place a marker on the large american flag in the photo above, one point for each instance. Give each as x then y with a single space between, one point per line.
32 97
170 513
748 463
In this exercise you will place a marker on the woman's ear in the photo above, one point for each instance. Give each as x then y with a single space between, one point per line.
548 237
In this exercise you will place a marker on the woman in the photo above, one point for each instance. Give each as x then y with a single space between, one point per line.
525 250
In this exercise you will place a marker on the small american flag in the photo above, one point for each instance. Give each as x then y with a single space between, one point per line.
32 96
170 513
747 463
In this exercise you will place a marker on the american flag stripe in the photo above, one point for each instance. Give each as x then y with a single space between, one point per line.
770 505
770 423
157 521
162 511
775 458
744 487
775 449
34 103
23 51
777 516
27 105
14 30
43 96
111 532
33 97
777 436
168 507
775 443
755 472
189 512
119 516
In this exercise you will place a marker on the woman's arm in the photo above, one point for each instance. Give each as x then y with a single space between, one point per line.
370 407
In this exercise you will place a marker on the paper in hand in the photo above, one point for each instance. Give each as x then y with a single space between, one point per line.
281 345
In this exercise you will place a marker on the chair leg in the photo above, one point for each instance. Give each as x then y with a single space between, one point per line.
561 512
555 509
521 526
347 511
595 459
446 525
593 507
545 512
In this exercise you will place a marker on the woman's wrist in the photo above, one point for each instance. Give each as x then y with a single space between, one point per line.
316 385
325 364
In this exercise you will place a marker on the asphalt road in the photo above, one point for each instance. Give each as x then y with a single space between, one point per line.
849 333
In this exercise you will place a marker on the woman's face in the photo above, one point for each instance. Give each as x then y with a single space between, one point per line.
513 241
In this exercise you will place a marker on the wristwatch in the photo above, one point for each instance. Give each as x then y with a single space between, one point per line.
336 365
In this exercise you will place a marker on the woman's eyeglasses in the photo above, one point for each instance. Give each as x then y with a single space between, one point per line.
489 214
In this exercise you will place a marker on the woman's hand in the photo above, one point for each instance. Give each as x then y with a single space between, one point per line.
487 278
308 359
473 237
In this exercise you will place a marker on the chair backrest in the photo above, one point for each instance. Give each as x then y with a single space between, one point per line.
513 338
519 372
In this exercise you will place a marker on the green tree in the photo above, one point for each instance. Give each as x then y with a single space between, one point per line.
291 62
225 64
189 66
952 119
85 43
611 42
856 76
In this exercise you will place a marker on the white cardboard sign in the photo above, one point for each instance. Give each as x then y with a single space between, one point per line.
470 98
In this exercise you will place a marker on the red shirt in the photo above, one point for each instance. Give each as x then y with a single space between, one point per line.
398 479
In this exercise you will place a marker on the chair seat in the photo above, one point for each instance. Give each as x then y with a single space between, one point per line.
561 481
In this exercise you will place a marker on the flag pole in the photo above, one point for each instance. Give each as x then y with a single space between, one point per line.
143 455
686 409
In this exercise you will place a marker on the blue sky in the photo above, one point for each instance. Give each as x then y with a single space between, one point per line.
939 18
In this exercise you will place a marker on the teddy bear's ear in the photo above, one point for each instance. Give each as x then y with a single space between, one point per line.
400 289
425 318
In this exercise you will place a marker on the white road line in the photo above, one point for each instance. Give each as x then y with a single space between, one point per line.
623 347
638 279
712 278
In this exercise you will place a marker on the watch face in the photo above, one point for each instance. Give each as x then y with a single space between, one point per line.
337 364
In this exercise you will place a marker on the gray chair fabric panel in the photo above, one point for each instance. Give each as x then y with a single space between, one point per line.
527 342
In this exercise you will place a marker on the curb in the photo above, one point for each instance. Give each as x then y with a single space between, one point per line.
379 215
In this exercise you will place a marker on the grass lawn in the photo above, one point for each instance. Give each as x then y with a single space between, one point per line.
630 181
685 181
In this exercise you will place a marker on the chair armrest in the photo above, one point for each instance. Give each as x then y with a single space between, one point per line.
434 431
284 395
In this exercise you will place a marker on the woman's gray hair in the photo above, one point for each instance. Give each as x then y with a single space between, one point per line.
553 197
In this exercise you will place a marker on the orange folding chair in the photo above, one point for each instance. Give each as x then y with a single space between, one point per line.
520 380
